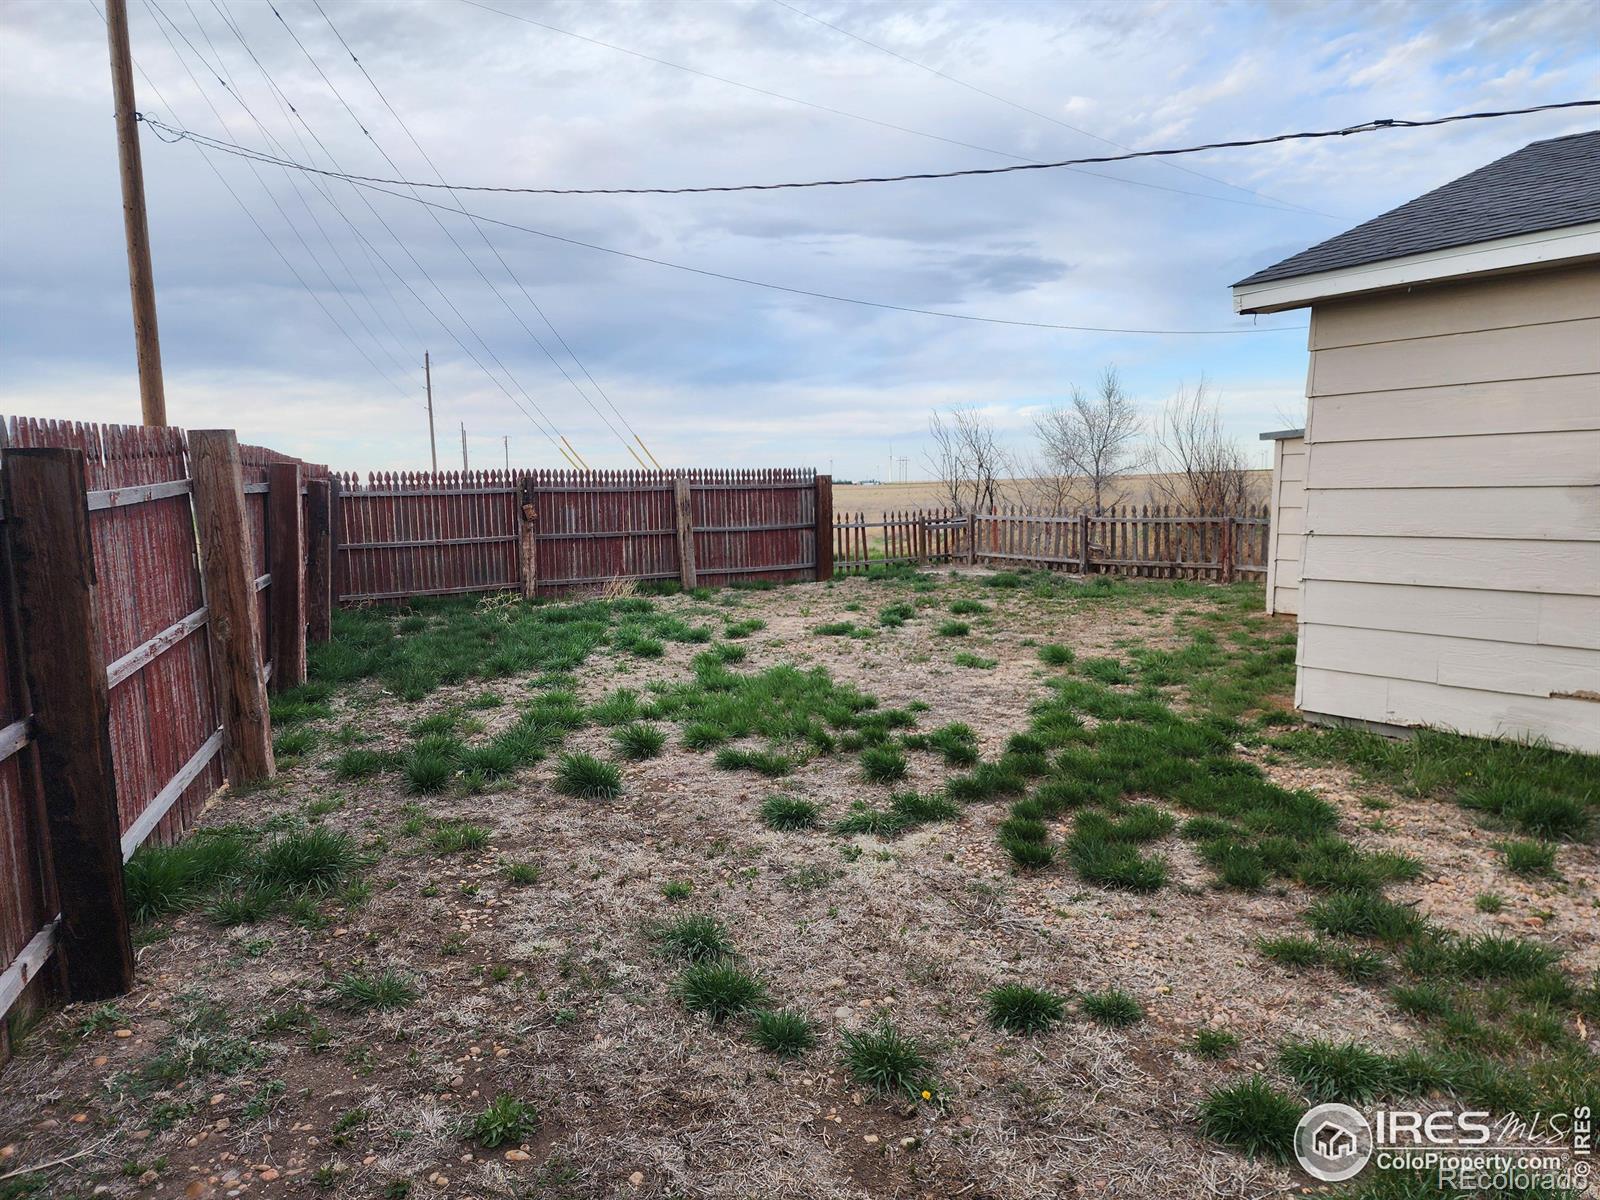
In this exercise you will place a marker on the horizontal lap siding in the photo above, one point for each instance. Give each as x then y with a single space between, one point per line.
1287 532
1451 563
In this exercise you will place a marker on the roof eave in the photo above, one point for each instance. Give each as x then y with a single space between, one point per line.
1549 247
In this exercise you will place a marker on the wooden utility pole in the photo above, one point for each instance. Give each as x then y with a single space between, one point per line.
464 466
147 340
433 446
506 441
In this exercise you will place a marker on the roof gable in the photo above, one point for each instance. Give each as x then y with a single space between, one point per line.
1547 185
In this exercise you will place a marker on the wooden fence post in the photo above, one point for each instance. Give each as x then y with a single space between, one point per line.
319 560
528 540
824 515
47 519
231 598
1083 543
683 509
1229 532
286 556
972 537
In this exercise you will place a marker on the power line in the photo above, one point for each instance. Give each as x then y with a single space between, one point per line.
526 295
443 228
795 291
968 172
278 250
400 243
972 87
839 112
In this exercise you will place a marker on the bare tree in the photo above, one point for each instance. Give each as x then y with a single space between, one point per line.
1201 468
1092 442
967 458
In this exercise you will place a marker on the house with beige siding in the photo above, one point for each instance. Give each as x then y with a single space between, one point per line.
1286 504
1449 551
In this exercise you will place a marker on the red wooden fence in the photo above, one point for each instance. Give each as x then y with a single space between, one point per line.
164 726
1152 541
415 534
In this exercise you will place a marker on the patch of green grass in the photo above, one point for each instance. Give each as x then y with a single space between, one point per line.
677 889
1017 1008
784 1032
956 743
358 991
294 743
618 708
1113 1007
744 628
975 662
1494 956
762 762
1365 915
883 764
842 629
1214 1044
953 629
1105 670
720 989
1529 859
789 812
1005 580
884 1059
428 770
165 879
1252 1116
455 837
316 860
696 937
503 1120
1055 655
358 763
968 608
248 906
1329 1071
639 741
1489 902
587 778
520 874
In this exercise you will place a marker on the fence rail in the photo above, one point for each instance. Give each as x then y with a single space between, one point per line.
1150 541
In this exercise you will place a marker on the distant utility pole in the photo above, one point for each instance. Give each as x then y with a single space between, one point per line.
141 280
507 442
464 466
433 446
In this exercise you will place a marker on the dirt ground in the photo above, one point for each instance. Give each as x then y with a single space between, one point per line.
554 992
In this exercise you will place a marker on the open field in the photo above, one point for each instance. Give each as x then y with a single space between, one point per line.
927 885
877 499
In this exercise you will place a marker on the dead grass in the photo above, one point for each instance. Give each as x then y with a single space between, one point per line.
447 985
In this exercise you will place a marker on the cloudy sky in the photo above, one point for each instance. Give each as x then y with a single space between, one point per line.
297 309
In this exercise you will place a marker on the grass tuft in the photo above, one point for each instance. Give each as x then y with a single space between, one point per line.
886 1060
784 1032
1113 1007
504 1119
1017 1008
1251 1116
719 989
789 813
356 991
696 937
587 778
639 741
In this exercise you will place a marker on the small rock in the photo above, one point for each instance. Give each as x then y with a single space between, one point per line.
870 1139
123 1033
637 1178
517 1156
269 1174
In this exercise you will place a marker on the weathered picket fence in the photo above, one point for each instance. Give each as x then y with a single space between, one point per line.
1152 541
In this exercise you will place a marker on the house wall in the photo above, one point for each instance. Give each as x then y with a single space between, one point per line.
1288 524
1450 573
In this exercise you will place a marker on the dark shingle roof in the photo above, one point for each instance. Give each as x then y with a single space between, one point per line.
1547 185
